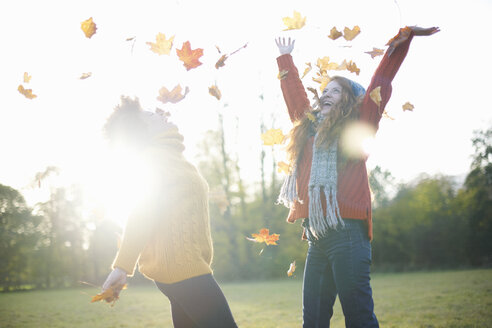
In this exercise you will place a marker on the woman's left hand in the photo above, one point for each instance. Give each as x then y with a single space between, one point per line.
116 280
424 31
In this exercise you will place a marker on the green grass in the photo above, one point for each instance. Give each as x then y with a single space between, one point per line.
428 299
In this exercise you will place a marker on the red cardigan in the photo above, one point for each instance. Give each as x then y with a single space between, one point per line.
353 195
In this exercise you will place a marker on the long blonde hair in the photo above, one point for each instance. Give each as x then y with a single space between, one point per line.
345 111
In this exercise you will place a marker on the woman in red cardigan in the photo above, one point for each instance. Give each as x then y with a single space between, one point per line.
328 185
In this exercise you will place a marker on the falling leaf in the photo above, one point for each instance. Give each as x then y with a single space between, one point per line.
376 95
27 77
283 167
350 34
265 237
294 23
324 64
311 117
323 79
109 295
162 46
214 91
85 75
172 96
351 67
218 49
188 56
26 92
282 74
307 70
89 27
221 61
334 33
385 114
408 106
375 52
272 137
292 269
130 39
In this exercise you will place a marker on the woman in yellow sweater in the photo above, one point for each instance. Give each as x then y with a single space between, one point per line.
168 233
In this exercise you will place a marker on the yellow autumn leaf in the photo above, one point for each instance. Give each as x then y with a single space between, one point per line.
408 106
172 96
214 91
162 46
282 74
26 92
294 23
283 167
352 67
272 137
386 115
350 34
88 27
307 70
85 75
323 79
292 269
375 52
376 95
334 33
27 77
324 64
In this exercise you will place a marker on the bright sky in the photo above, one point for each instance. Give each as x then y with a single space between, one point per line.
445 76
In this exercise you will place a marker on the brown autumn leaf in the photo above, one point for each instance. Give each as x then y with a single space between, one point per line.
386 115
350 34
408 106
352 67
292 269
307 70
214 91
265 237
221 62
282 74
375 95
375 52
88 27
272 137
172 96
27 77
109 295
26 92
162 46
334 33
188 56
294 23
85 75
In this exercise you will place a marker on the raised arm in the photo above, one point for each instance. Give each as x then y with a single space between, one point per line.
292 88
387 69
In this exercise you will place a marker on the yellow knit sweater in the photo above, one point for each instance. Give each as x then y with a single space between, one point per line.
169 233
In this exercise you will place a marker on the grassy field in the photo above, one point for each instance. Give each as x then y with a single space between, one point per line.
432 299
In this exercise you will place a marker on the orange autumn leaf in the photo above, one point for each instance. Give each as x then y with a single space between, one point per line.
26 92
265 237
334 33
27 77
408 106
109 295
376 95
272 137
214 91
282 74
292 269
162 46
172 96
188 56
294 23
283 167
402 34
350 34
307 70
88 27
375 52
85 75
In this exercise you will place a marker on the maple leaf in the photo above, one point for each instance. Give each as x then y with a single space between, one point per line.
283 167
88 27
350 34
334 33
188 56
26 92
376 95
109 295
375 52
85 75
27 77
408 106
307 70
294 23
272 137
323 79
162 46
350 66
282 74
324 64
214 91
172 96
265 237
292 269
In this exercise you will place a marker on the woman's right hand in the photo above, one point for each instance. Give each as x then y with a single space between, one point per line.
285 47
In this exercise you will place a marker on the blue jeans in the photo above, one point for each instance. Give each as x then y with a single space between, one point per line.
338 263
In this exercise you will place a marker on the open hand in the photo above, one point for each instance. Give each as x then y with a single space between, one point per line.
405 33
423 31
285 47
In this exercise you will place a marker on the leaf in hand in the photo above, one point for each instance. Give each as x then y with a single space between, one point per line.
88 27
110 295
350 34
188 56
375 52
408 106
172 96
272 137
294 23
26 92
334 33
162 46
292 269
265 237
214 91
27 77
375 95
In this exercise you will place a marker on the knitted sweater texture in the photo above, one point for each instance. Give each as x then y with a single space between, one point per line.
169 233
354 199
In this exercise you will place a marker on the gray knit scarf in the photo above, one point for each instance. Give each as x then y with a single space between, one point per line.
323 178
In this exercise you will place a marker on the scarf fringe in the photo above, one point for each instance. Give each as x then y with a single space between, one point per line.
288 192
318 223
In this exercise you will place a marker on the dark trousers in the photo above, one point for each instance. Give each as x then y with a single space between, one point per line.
338 264
198 302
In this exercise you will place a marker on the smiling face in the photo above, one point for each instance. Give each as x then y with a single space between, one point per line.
332 94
